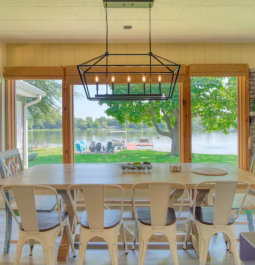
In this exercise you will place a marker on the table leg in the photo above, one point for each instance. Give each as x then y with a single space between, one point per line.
65 248
8 231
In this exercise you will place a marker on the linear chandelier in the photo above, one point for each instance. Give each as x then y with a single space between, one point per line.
103 79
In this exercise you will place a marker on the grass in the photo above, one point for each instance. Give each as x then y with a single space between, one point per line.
54 156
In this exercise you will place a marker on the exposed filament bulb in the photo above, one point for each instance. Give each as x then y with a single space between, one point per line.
143 78
96 79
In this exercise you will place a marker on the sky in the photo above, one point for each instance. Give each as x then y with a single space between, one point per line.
85 108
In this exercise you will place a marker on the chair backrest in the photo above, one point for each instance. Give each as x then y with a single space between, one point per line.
25 200
78 147
159 199
94 196
224 197
10 163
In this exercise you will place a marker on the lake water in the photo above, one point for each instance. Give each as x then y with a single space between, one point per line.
202 142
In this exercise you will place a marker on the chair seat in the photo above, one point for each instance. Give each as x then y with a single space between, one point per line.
205 215
47 220
111 219
144 216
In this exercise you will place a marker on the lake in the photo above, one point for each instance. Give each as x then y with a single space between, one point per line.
202 142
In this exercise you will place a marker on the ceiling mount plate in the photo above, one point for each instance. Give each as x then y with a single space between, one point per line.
128 3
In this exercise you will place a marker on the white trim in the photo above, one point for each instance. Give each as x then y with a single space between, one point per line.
26 90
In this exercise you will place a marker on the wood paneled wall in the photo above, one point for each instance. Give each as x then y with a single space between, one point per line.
61 54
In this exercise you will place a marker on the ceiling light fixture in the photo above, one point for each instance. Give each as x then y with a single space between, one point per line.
127 27
100 77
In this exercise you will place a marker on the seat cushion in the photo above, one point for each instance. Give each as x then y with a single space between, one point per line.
111 219
205 215
47 220
144 215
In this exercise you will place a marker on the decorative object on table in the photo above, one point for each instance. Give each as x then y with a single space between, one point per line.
137 166
176 168
159 72
207 171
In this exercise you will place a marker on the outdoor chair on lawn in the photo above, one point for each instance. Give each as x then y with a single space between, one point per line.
158 218
43 227
11 163
97 221
217 219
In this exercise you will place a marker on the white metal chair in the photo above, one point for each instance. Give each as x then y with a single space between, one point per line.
11 163
40 226
212 220
158 218
97 221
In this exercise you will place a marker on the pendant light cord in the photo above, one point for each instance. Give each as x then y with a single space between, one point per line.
107 53
150 27
106 28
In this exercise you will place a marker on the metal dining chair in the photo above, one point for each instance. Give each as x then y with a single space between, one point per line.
217 219
97 221
11 163
43 227
158 218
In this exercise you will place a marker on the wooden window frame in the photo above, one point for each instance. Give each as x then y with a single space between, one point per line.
239 71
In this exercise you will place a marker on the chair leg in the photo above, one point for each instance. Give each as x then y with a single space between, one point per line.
49 252
113 249
203 250
31 246
188 230
83 246
123 236
226 239
70 238
143 244
250 222
8 231
173 246
135 236
235 250
18 252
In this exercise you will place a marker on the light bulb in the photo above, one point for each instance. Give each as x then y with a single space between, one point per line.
96 79
159 78
128 79
144 79
113 79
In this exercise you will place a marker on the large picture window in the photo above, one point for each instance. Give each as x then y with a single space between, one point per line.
214 120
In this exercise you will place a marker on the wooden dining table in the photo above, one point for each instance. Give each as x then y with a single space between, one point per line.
61 176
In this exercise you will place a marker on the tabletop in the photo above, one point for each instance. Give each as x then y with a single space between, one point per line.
60 176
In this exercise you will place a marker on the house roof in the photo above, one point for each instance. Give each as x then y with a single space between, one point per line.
26 90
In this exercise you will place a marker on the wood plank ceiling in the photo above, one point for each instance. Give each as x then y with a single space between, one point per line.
83 20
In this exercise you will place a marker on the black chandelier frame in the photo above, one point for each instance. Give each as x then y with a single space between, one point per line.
170 68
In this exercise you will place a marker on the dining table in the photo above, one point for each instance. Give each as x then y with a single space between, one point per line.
61 176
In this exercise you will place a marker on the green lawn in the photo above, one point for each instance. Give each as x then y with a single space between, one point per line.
54 156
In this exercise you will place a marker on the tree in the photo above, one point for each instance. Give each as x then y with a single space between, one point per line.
89 121
49 108
213 99
83 125
96 125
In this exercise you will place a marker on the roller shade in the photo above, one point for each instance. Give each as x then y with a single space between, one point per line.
219 70
32 73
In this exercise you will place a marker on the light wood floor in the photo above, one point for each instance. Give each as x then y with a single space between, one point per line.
100 256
